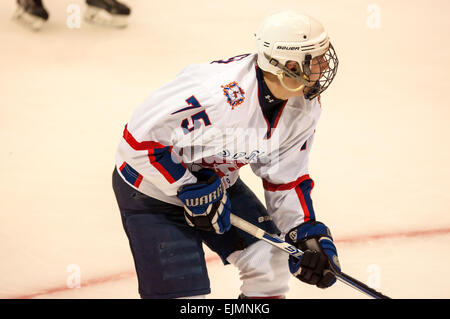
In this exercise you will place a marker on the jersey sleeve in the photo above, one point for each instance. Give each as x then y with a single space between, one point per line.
154 160
148 156
288 185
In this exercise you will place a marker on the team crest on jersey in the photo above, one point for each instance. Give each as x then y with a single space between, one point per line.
234 93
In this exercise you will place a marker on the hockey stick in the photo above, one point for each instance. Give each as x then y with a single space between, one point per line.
294 251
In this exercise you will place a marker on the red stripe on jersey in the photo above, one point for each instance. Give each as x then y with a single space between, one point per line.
303 203
284 187
138 181
140 146
159 167
220 173
312 186
149 146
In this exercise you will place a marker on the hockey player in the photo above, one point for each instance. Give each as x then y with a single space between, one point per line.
177 167
104 12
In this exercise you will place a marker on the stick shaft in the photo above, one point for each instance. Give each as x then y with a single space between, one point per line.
294 251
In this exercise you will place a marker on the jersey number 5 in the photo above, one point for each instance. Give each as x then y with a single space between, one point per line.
196 119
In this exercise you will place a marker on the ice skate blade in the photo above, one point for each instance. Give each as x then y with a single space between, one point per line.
18 13
29 20
104 18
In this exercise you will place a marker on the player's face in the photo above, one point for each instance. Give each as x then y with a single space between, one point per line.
291 82
318 66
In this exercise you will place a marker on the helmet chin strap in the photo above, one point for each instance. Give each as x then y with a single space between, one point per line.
280 76
302 78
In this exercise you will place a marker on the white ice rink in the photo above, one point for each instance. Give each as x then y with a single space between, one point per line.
380 160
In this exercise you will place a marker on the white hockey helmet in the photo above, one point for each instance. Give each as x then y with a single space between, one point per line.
288 38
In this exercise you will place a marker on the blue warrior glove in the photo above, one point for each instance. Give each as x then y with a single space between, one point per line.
320 262
206 204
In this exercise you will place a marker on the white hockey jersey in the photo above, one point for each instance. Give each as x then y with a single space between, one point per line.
210 116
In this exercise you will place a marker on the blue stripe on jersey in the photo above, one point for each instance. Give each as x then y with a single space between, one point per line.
130 174
170 163
306 188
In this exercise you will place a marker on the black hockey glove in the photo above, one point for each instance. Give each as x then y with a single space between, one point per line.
319 261
206 203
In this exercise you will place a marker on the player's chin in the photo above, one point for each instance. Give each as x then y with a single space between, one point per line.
296 89
308 89
299 93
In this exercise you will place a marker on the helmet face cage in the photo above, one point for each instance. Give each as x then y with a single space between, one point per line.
327 66
324 66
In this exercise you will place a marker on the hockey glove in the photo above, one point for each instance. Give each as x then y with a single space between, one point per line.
206 204
319 262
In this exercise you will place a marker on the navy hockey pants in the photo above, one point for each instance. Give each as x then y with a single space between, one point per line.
168 254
